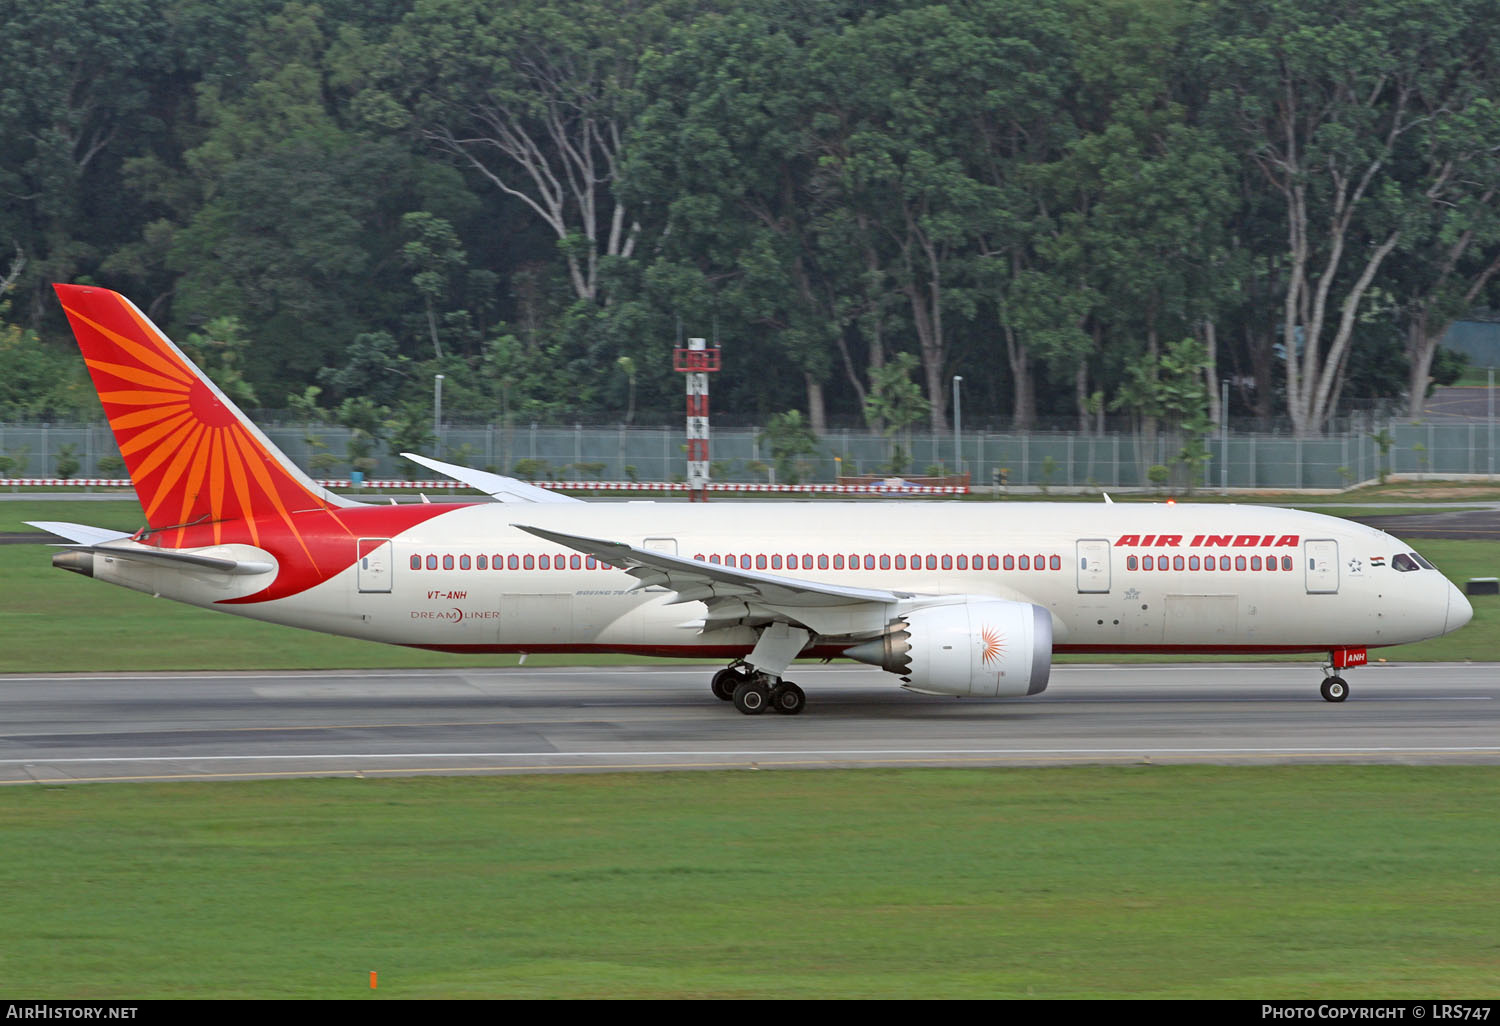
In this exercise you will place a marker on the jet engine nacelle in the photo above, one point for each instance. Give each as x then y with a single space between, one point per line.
981 646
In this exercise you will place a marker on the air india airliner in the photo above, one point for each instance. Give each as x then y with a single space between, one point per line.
952 598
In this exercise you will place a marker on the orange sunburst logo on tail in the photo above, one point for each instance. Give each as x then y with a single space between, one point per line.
994 645
192 456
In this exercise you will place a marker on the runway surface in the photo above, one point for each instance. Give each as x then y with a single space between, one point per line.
74 728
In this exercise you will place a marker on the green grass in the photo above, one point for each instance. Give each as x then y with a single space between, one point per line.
1326 882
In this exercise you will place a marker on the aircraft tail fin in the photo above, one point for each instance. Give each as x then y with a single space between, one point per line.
192 455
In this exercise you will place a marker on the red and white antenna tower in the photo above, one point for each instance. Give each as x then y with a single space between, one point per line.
697 361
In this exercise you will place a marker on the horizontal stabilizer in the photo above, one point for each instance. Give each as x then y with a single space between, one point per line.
136 552
82 534
496 486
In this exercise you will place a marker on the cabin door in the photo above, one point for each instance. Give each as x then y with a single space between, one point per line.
1093 566
1322 562
374 565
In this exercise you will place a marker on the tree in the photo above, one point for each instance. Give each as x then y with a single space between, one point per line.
434 252
790 437
536 100
1170 386
898 403
76 87
1345 109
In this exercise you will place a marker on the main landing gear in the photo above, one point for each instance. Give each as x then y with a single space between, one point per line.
754 683
754 693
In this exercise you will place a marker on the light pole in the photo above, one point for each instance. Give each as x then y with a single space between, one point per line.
437 413
958 428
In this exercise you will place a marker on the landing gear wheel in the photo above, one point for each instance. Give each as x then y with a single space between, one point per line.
1334 689
788 698
725 681
752 697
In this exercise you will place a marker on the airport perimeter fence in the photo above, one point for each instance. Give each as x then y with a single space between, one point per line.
1041 459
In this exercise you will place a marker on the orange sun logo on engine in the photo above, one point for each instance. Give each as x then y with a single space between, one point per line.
994 645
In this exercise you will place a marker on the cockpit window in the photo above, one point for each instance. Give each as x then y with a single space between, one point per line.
1421 562
1404 563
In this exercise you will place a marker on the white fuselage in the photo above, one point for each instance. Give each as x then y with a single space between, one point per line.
1115 577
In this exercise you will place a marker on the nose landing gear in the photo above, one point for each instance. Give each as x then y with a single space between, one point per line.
1334 689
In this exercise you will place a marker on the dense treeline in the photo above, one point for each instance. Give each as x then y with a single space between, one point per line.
1083 207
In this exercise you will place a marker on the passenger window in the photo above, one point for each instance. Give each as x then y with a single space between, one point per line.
869 562
1286 562
1130 562
760 562
901 562
1147 563
1223 562
528 562
1026 562
544 562
432 562
931 561
885 562
1178 563
776 562
822 562
994 562
1192 562
1404 563
1239 562
838 560
963 562
447 562
1254 562
416 562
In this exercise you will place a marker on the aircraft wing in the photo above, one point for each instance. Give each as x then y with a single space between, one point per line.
737 595
496 486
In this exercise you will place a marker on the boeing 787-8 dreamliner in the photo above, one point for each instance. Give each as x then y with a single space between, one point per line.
954 598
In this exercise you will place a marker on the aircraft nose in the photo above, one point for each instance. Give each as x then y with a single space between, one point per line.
1459 610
